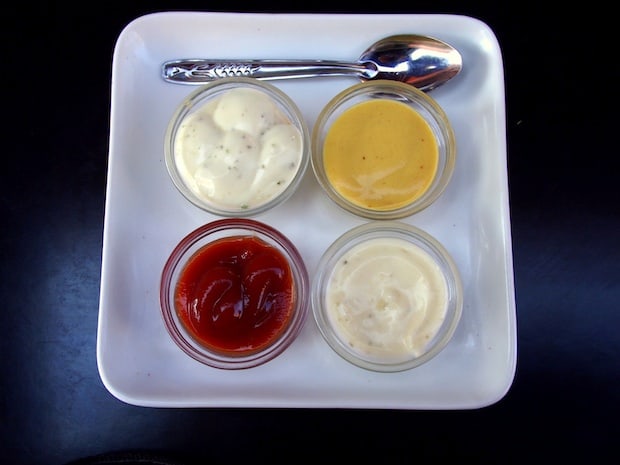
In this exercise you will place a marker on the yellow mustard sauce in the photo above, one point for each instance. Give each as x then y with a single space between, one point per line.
380 154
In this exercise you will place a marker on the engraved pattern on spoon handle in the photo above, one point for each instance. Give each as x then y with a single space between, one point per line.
199 71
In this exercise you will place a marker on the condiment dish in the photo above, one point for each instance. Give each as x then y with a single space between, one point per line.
387 296
383 149
234 293
237 147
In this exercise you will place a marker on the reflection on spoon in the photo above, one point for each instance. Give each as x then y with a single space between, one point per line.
422 61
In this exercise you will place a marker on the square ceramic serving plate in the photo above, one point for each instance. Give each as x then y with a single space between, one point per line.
145 217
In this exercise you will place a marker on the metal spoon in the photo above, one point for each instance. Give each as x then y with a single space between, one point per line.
422 61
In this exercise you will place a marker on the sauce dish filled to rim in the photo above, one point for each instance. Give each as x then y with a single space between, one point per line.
234 293
387 296
237 147
383 149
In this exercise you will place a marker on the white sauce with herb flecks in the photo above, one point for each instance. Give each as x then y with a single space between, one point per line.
239 150
387 299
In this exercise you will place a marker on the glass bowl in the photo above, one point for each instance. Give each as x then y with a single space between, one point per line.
387 296
237 147
234 293
383 149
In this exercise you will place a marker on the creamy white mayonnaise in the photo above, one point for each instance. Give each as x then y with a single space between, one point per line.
239 150
387 298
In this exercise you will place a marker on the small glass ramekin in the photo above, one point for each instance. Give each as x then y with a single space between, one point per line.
359 151
181 294
237 147
387 296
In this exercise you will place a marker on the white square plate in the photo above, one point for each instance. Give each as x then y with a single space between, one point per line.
146 217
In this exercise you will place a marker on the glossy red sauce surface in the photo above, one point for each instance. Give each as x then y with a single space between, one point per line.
236 295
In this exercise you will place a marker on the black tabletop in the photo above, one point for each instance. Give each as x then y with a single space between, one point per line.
563 185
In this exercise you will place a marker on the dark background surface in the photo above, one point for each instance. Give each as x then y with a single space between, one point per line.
562 126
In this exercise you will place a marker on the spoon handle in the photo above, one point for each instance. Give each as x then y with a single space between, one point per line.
199 71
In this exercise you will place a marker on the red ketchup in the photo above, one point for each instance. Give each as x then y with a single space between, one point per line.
236 295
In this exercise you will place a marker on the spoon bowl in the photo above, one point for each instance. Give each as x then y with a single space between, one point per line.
421 61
